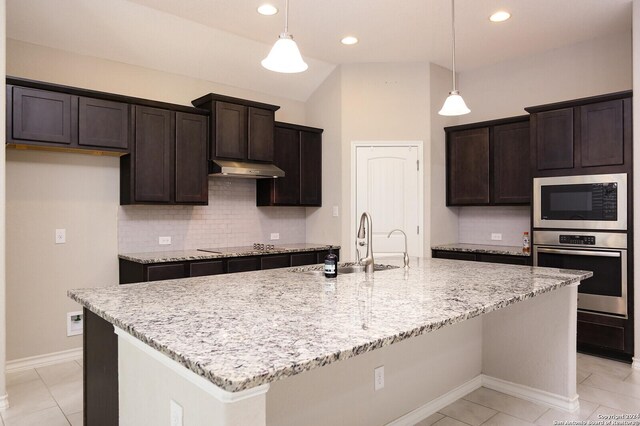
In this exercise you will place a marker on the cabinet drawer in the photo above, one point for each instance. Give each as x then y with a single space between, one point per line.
199 269
601 335
165 272
455 255
509 260
272 262
304 259
243 264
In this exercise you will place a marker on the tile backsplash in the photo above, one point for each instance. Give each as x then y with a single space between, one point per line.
231 219
476 224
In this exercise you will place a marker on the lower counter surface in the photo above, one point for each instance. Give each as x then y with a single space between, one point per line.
243 330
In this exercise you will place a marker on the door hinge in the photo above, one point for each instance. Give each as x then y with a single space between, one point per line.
418 165
418 229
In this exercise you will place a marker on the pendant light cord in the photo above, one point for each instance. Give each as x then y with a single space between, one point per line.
286 17
453 32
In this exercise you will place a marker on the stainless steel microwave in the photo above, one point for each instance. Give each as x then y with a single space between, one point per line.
581 202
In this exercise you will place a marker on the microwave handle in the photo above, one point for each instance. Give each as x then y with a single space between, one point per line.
580 252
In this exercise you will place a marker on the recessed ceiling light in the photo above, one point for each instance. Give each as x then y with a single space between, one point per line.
349 40
267 10
500 16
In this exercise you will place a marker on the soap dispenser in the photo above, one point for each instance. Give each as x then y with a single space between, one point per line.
331 264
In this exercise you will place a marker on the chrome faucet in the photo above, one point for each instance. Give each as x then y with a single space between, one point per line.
367 261
406 253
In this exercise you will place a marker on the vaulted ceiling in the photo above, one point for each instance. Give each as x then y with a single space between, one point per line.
224 40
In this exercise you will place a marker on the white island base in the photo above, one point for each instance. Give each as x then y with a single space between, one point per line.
527 349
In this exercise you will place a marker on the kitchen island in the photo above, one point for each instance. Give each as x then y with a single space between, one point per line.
289 347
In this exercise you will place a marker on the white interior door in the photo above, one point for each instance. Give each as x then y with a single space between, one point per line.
387 186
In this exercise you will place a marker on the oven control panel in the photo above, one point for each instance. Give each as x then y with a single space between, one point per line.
585 240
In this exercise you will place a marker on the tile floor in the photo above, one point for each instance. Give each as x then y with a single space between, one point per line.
52 396
47 396
604 386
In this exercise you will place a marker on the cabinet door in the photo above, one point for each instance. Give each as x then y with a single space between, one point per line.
287 157
210 267
602 134
553 132
261 128
508 260
191 158
455 255
42 116
153 167
231 131
512 179
310 169
468 167
103 123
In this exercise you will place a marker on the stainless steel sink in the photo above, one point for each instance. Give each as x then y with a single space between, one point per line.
342 269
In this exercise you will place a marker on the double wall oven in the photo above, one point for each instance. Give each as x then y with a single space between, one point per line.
580 222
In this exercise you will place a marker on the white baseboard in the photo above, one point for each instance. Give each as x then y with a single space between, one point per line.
636 363
42 361
439 403
4 402
520 391
531 394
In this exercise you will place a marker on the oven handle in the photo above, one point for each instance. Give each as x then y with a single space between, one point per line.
581 252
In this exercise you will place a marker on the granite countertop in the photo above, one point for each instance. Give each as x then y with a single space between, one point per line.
479 248
222 252
247 329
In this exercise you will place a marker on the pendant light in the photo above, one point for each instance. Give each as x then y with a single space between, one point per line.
284 55
454 104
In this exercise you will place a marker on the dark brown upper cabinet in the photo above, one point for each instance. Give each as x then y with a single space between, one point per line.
511 164
488 163
297 151
583 136
41 116
103 123
168 163
240 130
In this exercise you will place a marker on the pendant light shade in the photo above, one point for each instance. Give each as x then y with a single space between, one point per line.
454 104
285 56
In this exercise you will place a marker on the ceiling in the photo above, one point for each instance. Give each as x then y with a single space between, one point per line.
224 40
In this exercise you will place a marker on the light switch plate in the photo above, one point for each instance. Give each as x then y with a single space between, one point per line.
378 378
275 236
164 241
61 236
335 211
496 237
176 414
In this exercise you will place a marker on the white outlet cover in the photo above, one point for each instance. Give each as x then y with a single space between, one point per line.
378 378
164 241
275 236
176 414
61 236
336 211
496 236
74 327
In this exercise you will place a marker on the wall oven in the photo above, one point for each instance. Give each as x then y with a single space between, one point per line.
581 202
604 253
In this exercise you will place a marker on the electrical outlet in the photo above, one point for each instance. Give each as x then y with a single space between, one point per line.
378 378
275 236
335 211
164 241
496 236
61 236
75 322
175 411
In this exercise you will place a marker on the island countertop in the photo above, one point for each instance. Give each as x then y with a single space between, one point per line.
243 330
483 248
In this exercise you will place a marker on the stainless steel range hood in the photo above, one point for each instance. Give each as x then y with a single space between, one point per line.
241 169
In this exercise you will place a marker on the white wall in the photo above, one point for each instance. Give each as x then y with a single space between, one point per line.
76 192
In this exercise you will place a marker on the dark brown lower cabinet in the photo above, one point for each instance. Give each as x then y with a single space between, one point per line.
134 272
482 257
100 368
605 336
